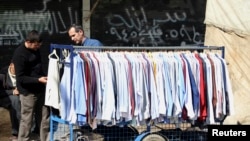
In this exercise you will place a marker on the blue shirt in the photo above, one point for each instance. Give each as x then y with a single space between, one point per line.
91 42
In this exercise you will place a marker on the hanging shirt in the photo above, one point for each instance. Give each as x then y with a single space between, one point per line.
52 97
65 89
79 92
167 86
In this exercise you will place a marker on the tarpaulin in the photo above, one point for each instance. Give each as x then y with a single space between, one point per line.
229 15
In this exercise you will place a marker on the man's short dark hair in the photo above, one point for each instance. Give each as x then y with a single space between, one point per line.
33 36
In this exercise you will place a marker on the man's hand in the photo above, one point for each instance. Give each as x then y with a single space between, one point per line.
15 92
43 79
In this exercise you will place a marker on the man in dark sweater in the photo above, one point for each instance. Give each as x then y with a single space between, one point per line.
31 82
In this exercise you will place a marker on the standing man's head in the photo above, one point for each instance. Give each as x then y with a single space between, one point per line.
33 40
76 34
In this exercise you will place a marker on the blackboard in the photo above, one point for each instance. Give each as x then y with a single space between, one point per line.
113 22
50 17
148 22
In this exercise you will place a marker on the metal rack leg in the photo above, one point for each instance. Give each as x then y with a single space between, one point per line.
53 119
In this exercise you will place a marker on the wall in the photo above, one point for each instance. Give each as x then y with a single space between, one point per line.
114 22
148 22
50 17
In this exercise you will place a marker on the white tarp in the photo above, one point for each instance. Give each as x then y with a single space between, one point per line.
229 15
237 52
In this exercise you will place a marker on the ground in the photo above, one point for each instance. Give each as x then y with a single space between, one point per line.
5 126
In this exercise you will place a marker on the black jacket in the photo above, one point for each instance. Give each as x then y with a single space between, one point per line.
6 86
28 67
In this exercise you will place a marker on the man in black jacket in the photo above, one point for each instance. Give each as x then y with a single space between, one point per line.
31 84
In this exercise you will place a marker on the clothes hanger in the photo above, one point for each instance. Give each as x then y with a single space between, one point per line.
53 53
65 53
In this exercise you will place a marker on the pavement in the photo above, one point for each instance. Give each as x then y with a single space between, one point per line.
5 127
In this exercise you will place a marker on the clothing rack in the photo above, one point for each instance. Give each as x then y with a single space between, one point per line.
72 48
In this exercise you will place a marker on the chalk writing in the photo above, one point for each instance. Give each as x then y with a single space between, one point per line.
18 22
136 26
139 23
